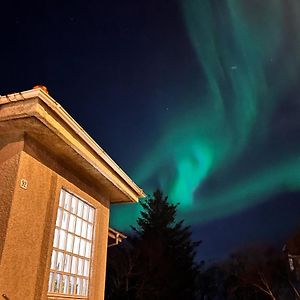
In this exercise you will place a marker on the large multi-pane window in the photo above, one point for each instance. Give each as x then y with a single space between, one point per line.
72 246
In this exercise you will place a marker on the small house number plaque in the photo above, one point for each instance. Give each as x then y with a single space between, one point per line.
24 184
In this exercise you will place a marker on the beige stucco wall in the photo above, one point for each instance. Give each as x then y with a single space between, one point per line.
30 218
9 158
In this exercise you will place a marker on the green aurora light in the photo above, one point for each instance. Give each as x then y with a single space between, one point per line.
249 52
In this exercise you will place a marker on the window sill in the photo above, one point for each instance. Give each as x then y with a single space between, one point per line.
62 297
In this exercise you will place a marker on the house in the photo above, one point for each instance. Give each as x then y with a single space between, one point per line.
56 189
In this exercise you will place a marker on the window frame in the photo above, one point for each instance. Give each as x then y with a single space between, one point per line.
58 223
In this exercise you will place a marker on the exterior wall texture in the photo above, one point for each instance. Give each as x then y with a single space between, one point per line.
9 160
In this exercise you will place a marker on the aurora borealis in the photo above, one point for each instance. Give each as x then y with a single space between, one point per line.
233 144
200 98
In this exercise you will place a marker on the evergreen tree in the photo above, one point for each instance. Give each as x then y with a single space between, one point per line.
161 261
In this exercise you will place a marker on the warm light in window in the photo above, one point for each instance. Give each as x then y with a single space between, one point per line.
72 245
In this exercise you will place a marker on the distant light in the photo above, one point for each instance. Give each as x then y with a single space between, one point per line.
43 87
291 263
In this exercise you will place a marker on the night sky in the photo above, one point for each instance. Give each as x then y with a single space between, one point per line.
198 97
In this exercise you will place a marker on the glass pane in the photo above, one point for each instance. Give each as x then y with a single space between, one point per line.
64 285
86 268
78 287
67 264
56 282
89 232
80 208
53 260
70 240
88 249
61 198
74 265
60 261
91 215
72 223
67 201
58 217
78 226
50 282
82 247
76 245
87 288
84 287
80 266
56 237
84 228
65 220
62 240
85 211
74 205
71 285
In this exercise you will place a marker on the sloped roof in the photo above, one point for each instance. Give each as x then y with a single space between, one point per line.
37 114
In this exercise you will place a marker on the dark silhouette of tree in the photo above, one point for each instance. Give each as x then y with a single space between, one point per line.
257 273
158 259
262 270
120 262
